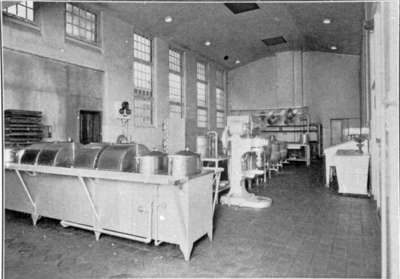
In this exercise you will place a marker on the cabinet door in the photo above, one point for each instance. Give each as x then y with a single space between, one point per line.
171 214
125 207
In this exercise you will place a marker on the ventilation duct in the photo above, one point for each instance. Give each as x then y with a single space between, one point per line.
238 8
274 41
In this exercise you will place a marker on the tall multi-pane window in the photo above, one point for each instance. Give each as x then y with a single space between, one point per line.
22 10
202 101
142 81
81 24
220 99
175 83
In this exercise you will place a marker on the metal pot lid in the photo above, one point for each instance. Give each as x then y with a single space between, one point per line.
187 152
155 153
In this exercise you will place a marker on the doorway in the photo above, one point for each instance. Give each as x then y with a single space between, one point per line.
89 126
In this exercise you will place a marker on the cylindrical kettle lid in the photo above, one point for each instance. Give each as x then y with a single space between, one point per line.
186 152
155 153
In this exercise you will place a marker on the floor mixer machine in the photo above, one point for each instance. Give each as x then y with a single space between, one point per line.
236 137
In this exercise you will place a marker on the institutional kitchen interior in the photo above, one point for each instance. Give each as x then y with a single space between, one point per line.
200 139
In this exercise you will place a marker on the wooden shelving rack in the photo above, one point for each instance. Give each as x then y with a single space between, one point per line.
22 127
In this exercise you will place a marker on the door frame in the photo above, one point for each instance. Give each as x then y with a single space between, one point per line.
79 122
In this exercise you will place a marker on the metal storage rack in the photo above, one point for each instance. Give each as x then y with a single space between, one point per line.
315 133
22 127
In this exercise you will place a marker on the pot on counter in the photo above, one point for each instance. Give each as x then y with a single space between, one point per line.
10 155
184 163
154 162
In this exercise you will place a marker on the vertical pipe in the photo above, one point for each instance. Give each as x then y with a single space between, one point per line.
302 77
293 81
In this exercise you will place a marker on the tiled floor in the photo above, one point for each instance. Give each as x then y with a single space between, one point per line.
308 232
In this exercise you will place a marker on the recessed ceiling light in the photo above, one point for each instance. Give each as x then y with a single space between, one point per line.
333 47
207 43
237 61
326 21
168 19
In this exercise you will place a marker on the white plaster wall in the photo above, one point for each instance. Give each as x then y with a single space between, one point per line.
328 83
253 86
114 58
331 87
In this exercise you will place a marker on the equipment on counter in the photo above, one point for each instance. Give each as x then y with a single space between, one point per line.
184 163
241 143
59 154
88 155
30 154
154 162
103 195
121 157
10 155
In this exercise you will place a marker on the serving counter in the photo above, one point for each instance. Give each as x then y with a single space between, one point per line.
162 208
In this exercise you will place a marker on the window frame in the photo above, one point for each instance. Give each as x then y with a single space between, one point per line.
181 75
98 17
205 82
220 87
137 95
34 25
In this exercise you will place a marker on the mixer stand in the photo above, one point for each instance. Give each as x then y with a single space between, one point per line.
244 198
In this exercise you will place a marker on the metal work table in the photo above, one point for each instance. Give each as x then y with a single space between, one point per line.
299 146
139 207
216 167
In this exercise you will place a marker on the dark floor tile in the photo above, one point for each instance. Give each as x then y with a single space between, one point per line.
308 232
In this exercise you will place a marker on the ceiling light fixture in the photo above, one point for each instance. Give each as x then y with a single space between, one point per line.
168 19
237 61
207 43
326 21
333 47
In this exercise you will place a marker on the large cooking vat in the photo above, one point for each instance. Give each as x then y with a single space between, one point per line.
153 162
60 154
88 155
30 154
184 163
159 208
49 154
121 157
